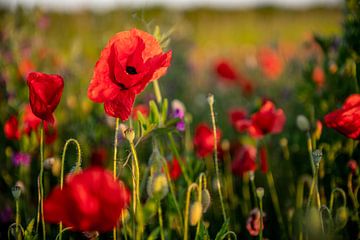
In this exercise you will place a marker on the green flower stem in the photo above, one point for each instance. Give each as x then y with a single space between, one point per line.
115 164
177 156
246 193
351 192
253 189
162 235
275 200
211 105
300 199
261 219
310 150
157 91
187 206
124 224
41 176
78 165
313 187
136 191
172 191
17 219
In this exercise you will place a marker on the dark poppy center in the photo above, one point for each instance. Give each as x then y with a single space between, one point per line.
131 70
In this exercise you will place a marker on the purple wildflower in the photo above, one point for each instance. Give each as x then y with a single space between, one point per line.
21 159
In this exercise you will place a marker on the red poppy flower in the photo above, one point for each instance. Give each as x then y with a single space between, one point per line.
130 60
267 120
174 169
318 76
353 166
204 140
271 63
226 71
244 160
346 120
264 160
45 92
11 128
253 222
140 108
89 201
239 120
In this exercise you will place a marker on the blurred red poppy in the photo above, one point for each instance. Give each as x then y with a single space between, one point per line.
89 201
226 71
25 67
270 63
174 169
253 222
264 160
244 160
267 120
130 60
140 108
45 92
11 128
204 140
239 120
346 120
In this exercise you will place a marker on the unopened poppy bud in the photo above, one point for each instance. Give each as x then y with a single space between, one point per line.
91 235
130 135
210 99
225 145
56 167
341 217
317 156
195 213
303 123
205 199
251 175
157 186
313 221
21 185
352 165
283 142
260 192
16 192
155 159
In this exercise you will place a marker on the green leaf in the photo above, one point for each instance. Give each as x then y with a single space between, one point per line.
154 116
164 110
203 232
223 230
154 234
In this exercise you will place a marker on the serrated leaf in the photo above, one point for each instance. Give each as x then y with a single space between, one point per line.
223 230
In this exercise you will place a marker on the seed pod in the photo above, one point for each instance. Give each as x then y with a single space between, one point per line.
341 217
303 123
16 192
205 199
195 213
130 135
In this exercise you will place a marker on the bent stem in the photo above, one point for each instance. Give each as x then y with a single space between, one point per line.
187 205
211 104
115 164
332 197
77 168
41 180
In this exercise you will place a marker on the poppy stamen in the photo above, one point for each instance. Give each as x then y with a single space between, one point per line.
131 70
